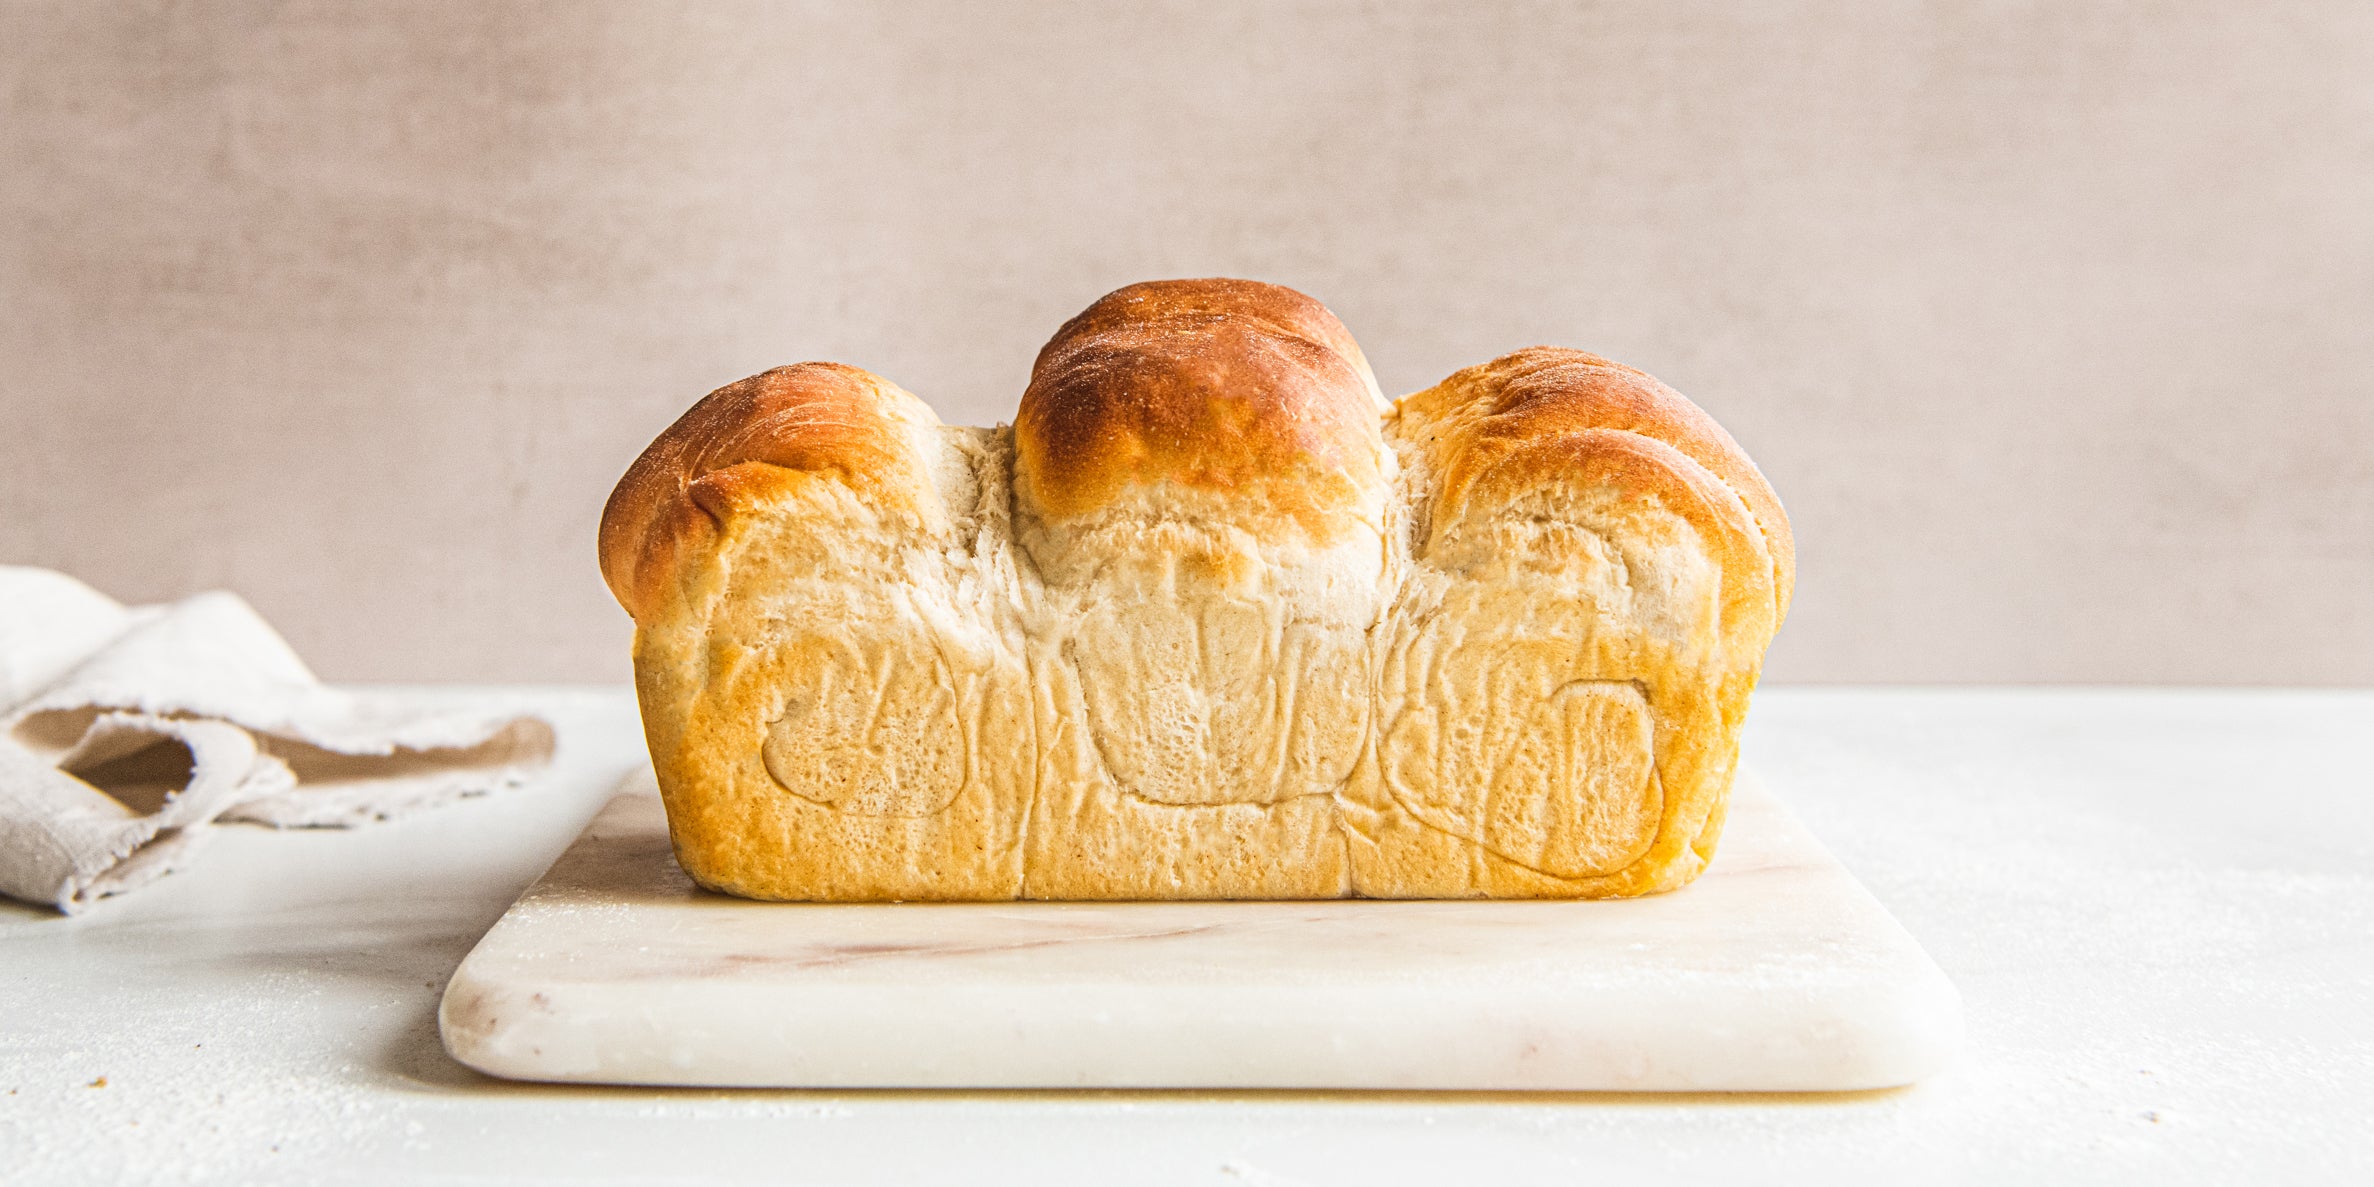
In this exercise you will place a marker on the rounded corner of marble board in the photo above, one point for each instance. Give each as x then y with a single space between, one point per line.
1913 1035
477 1021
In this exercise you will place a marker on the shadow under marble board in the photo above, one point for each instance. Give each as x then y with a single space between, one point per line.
1775 971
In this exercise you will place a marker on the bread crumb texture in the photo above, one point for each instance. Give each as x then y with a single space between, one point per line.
1210 620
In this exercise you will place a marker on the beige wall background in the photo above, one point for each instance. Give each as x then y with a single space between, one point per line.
2053 323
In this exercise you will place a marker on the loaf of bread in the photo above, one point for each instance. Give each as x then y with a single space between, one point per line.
1212 619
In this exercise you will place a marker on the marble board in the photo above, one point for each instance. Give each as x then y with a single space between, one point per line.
1775 971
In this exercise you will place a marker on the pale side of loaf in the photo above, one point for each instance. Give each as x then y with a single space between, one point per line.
1210 620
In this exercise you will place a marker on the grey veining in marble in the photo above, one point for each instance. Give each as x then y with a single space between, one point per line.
1776 971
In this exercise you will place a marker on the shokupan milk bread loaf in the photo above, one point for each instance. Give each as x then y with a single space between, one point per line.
1210 620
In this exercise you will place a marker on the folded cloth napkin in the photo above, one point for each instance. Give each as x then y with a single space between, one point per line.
126 732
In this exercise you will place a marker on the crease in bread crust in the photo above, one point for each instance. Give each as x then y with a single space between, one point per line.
1210 620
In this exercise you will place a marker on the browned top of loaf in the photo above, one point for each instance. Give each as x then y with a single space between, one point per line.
1228 386
814 417
1546 391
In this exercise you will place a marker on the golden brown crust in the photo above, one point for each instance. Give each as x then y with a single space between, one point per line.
1486 412
810 417
1230 386
1282 308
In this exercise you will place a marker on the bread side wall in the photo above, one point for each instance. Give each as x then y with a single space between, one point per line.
835 710
1535 692
1205 689
1559 680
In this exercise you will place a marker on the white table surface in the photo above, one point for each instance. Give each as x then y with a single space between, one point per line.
2158 906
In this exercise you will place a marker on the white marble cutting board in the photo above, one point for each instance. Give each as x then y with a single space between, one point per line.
1775 971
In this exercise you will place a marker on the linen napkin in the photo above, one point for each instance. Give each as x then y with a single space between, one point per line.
127 733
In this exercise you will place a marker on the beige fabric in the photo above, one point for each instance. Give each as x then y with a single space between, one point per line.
126 731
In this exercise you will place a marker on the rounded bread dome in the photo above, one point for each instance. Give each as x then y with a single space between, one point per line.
1248 391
